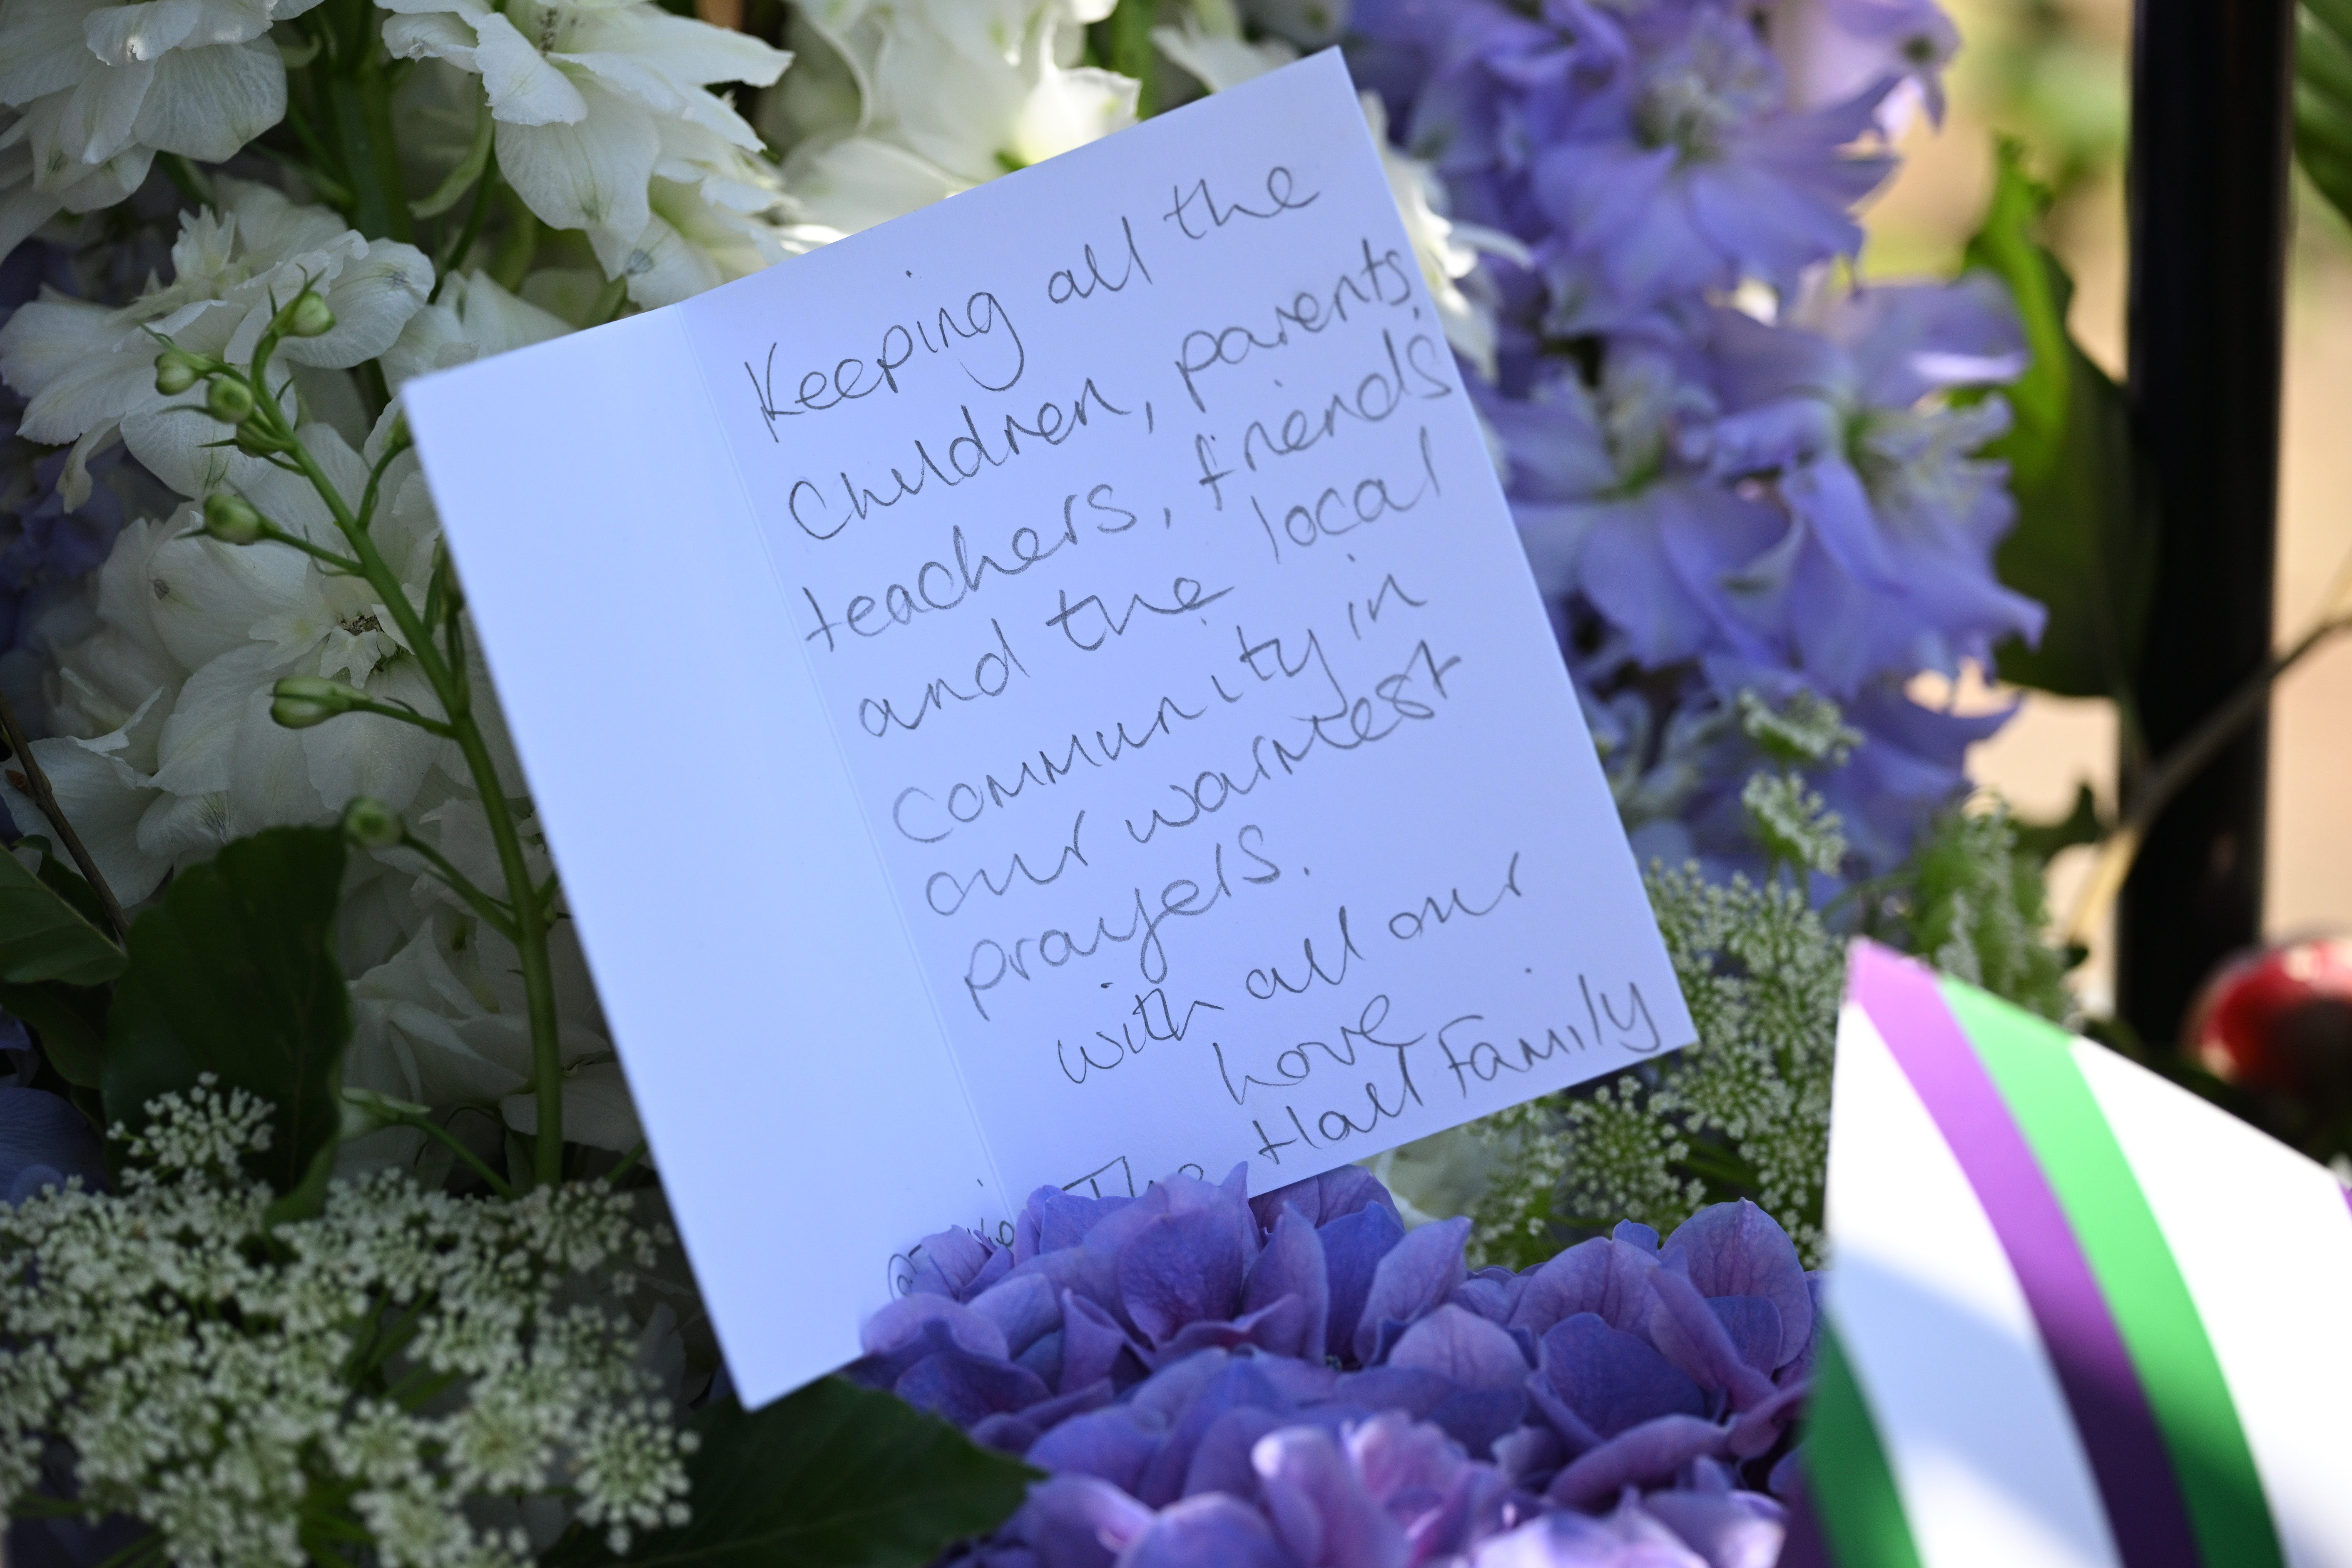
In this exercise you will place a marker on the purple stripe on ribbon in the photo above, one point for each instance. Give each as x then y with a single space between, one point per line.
2128 1460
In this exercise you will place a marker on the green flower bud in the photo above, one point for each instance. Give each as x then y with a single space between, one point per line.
229 519
306 317
177 371
253 442
300 702
230 402
371 825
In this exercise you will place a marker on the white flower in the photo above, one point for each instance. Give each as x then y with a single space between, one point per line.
211 1386
1447 251
601 119
950 93
442 1020
473 319
162 746
166 775
1310 23
101 88
1209 44
89 372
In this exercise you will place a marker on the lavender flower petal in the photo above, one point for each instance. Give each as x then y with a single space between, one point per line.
1320 1507
1212 1532
1464 1347
1354 1248
1614 1380
1737 1249
1416 1275
1079 1521
1112 1445
1649 1453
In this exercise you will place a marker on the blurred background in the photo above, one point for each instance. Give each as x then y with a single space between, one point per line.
2056 73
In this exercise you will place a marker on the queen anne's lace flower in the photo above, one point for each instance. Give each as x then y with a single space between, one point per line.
233 1382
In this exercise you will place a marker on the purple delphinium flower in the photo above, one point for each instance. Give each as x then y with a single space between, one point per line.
1686 172
1714 502
1892 517
1298 1381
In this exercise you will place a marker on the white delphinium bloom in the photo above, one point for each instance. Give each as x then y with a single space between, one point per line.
1207 42
473 319
603 121
100 89
157 1332
947 94
441 1022
161 745
89 372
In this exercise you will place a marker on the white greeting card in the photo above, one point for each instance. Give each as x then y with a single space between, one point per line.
1044 692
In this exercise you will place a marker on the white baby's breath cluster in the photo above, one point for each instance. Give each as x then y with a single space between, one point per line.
404 1362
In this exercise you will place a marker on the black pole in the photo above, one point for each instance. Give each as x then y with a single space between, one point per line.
2210 95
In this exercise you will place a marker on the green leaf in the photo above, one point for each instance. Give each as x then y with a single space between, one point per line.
461 179
234 973
2323 98
70 1021
63 880
832 1476
2081 824
43 937
2081 546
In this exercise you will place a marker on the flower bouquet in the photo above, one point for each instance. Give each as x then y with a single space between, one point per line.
334 1237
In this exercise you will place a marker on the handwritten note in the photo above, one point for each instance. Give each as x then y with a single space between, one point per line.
1046 692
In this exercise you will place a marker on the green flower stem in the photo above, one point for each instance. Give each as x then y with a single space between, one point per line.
1718 1165
148 1545
391 448
479 210
433 1129
628 1162
492 911
37 785
405 715
388 1340
342 563
530 925
422 1387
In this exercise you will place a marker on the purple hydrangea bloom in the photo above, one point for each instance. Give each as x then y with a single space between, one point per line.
1296 1381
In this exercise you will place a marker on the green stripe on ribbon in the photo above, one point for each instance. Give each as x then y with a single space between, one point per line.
2033 1063
1847 1478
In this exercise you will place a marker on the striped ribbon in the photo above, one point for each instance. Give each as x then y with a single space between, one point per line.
2077 1316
